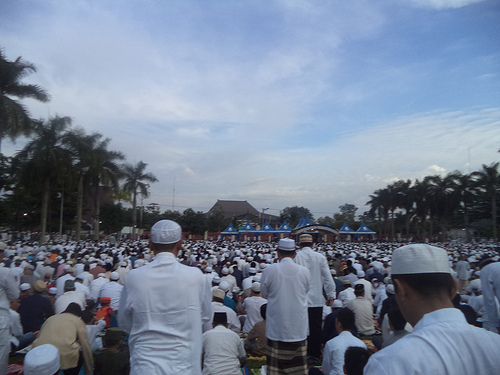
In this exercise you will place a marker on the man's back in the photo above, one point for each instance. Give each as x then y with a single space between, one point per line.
441 343
162 306
363 312
285 285
222 350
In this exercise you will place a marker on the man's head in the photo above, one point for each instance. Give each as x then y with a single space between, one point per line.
422 279
218 295
220 319
359 290
166 235
305 240
69 285
346 320
355 360
286 248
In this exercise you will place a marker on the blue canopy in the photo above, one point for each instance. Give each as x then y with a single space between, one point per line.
346 229
229 231
266 228
285 228
248 228
304 221
363 229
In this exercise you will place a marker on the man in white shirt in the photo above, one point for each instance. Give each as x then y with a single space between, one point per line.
163 306
218 306
62 279
223 352
285 286
321 282
333 355
252 307
112 290
490 286
442 341
70 295
96 285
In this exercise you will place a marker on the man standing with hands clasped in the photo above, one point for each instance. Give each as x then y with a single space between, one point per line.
285 286
321 281
442 341
163 306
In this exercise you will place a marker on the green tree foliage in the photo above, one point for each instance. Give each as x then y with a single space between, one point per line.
293 215
112 217
14 116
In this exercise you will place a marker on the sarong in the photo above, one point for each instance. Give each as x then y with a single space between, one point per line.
287 357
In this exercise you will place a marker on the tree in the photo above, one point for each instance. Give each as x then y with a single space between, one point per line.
488 180
293 215
136 183
348 212
103 169
193 222
14 117
43 160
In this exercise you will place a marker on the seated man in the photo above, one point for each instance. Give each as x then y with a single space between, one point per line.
256 341
333 355
363 311
222 349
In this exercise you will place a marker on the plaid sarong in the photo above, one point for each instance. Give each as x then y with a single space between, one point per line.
286 357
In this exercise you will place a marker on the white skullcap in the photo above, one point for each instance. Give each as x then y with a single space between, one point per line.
101 275
25 286
166 232
114 276
225 286
225 271
252 270
208 269
216 280
53 290
419 258
361 274
390 289
286 244
337 304
256 287
42 360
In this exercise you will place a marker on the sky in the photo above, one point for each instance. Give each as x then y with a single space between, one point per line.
279 103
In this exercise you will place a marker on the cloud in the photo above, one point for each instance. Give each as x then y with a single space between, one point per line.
442 4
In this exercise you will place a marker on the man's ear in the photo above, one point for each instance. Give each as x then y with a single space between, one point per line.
454 290
401 288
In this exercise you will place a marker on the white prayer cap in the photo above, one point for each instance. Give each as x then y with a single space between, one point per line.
101 275
252 270
286 244
166 232
218 293
419 258
25 286
216 280
53 291
225 286
256 287
225 271
114 276
208 269
42 360
361 274
390 289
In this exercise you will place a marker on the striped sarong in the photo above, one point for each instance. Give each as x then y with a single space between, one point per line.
286 357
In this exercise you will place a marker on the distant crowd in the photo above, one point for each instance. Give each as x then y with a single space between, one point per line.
168 306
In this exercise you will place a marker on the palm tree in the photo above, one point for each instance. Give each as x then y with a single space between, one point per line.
14 117
444 200
136 183
102 170
43 160
81 146
464 185
488 179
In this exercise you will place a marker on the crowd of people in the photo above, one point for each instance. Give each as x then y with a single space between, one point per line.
168 306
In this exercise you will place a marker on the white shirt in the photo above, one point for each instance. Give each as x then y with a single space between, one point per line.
112 290
368 288
222 350
79 287
490 285
285 285
163 306
252 307
346 295
442 343
60 283
232 317
63 301
321 278
333 355
95 287
247 283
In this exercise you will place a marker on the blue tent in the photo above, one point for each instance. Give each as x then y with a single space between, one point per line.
266 228
229 231
304 221
248 228
364 230
285 228
346 230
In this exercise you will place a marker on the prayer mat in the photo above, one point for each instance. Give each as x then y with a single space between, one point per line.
286 357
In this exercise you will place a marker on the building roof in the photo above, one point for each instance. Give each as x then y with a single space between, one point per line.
232 209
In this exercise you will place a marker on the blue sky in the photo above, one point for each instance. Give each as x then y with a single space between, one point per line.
281 103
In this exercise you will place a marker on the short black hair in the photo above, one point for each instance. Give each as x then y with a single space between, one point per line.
359 290
220 318
285 253
346 318
355 359
396 318
263 311
428 284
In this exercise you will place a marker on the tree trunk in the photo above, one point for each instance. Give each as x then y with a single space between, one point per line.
134 215
44 209
79 208
494 215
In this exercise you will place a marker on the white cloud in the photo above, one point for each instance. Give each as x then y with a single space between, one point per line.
442 4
